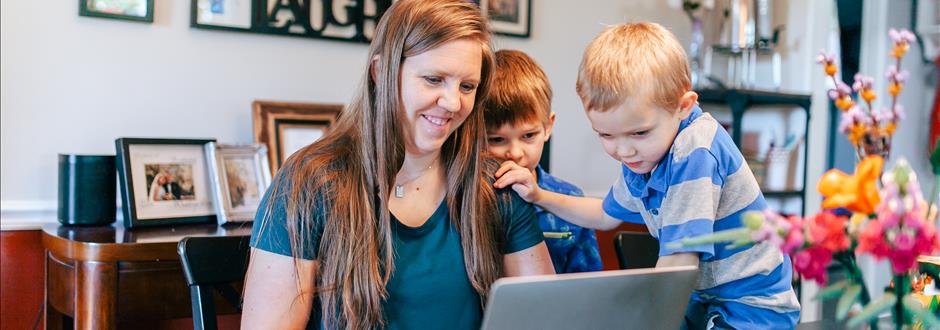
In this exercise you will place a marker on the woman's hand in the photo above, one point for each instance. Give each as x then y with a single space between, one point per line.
523 181
273 297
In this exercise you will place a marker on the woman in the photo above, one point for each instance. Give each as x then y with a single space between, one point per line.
390 220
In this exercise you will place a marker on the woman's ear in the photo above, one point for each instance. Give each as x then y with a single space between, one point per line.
686 103
372 68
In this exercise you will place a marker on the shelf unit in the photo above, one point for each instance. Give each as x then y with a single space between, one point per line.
741 100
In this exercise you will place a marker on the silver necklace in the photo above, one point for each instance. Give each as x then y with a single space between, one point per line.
400 188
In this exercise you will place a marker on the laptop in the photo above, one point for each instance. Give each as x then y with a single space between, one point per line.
651 298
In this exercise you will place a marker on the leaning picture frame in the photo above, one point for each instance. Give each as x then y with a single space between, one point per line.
134 10
235 15
285 127
508 17
164 181
240 175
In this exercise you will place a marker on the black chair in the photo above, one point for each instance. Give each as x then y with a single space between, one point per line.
213 263
636 250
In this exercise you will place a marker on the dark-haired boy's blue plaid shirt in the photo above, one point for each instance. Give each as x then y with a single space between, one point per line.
576 251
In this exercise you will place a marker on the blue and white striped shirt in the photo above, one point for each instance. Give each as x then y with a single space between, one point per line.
701 186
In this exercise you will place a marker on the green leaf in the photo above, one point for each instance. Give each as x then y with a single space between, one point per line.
914 307
847 300
832 291
935 158
718 236
872 310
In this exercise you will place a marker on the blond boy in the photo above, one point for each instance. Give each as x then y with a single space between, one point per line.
682 176
519 122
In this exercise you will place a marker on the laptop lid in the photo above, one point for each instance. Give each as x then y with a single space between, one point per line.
651 298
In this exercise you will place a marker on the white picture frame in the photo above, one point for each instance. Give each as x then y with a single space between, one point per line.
239 176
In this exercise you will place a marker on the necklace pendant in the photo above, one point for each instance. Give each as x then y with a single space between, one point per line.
399 191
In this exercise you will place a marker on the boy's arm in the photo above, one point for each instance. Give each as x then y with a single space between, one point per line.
678 259
583 211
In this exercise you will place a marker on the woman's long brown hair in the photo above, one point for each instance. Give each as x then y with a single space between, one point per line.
348 174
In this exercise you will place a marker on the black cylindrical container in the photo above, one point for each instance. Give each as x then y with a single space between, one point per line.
86 190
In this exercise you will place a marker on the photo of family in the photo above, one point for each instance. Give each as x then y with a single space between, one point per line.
170 182
242 183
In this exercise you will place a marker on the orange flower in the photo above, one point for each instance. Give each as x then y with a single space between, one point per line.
857 192
894 89
845 103
856 132
900 49
831 69
868 95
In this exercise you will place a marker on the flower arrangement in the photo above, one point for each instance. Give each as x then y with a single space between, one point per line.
872 211
869 128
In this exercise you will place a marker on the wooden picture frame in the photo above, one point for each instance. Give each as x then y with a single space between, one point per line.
284 127
134 10
164 181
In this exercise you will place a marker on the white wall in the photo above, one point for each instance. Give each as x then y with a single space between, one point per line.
71 84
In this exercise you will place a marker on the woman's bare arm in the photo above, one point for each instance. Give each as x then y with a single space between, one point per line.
532 261
273 299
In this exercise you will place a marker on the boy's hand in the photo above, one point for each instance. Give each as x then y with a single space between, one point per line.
523 181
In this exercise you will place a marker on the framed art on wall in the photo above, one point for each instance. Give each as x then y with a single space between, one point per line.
508 17
239 175
135 10
285 127
222 14
164 181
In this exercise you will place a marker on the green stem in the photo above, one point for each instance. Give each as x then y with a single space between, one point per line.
847 259
901 288
933 196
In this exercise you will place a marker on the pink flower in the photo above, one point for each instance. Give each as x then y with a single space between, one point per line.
827 230
812 263
901 36
852 117
825 58
883 115
871 240
896 76
794 237
862 82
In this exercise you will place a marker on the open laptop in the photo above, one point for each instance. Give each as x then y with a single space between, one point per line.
651 298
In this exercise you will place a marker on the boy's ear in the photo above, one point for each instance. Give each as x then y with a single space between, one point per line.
549 125
686 103
372 66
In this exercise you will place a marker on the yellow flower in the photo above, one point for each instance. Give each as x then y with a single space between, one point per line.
845 103
894 89
857 192
868 95
856 132
900 49
890 127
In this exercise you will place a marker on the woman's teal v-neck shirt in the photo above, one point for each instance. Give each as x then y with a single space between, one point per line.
429 288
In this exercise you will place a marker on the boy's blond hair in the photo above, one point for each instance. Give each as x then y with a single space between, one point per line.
633 60
519 92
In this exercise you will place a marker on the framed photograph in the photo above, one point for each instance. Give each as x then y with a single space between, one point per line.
508 17
240 175
286 127
135 10
222 14
164 181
